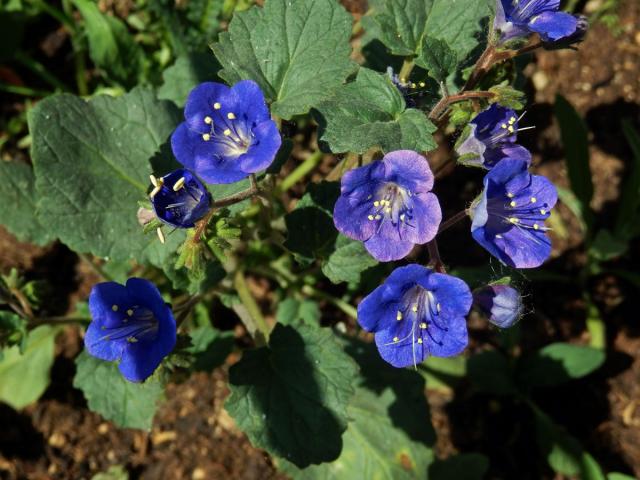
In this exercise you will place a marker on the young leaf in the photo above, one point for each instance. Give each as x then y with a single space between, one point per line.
437 58
127 404
389 436
370 112
576 149
25 376
291 397
558 363
186 73
402 24
111 46
18 191
92 162
347 261
298 52
291 311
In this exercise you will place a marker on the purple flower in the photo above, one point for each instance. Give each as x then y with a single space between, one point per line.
501 304
508 218
180 199
388 205
132 324
490 137
520 18
416 313
228 133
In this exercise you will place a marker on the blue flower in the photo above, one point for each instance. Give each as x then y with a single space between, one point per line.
501 304
520 18
408 90
228 133
416 313
132 324
180 199
509 216
490 137
388 205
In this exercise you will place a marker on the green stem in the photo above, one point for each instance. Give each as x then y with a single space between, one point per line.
595 326
341 304
40 70
452 221
55 13
95 267
262 328
78 54
300 172
26 91
405 71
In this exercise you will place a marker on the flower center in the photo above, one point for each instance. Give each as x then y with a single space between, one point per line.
227 129
392 203
506 130
522 211
421 309
138 323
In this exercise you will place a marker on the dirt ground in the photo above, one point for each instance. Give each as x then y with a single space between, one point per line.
194 438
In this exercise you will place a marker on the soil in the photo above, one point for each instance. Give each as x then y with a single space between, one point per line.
194 438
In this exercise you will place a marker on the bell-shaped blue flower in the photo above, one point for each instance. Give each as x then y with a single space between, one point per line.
228 133
416 313
490 137
180 199
502 304
131 324
388 205
508 218
520 18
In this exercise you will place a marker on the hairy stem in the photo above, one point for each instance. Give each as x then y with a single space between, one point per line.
337 302
435 261
453 220
405 71
445 102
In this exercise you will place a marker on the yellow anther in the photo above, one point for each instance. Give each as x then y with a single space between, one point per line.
511 129
154 180
377 217
536 226
422 84
129 312
533 199
513 220
423 326
132 339
504 125
419 340
402 217
512 204
376 203
160 235
510 195
512 120
179 184
103 327
399 316
396 339
206 137
543 211
388 209
414 308
231 116
217 106
403 80
208 120
227 132
413 85
114 308
370 217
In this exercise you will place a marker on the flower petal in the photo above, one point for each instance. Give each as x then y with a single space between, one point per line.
553 26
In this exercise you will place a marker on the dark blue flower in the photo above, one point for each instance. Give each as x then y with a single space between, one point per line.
520 18
228 133
416 313
388 205
490 137
501 304
180 199
409 90
509 216
576 37
132 324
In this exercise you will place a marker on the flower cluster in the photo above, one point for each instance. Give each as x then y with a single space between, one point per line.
520 18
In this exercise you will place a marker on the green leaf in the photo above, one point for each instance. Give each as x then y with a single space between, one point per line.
389 436
18 191
402 24
490 372
92 162
606 247
370 112
575 205
115 472
347 261
619 476
575 140
111 46
466 466
298 52
310 229
562 451
558 363
127 404
24 377
291 397
437 58
210 347
186 73
443 373
627 218
291 311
